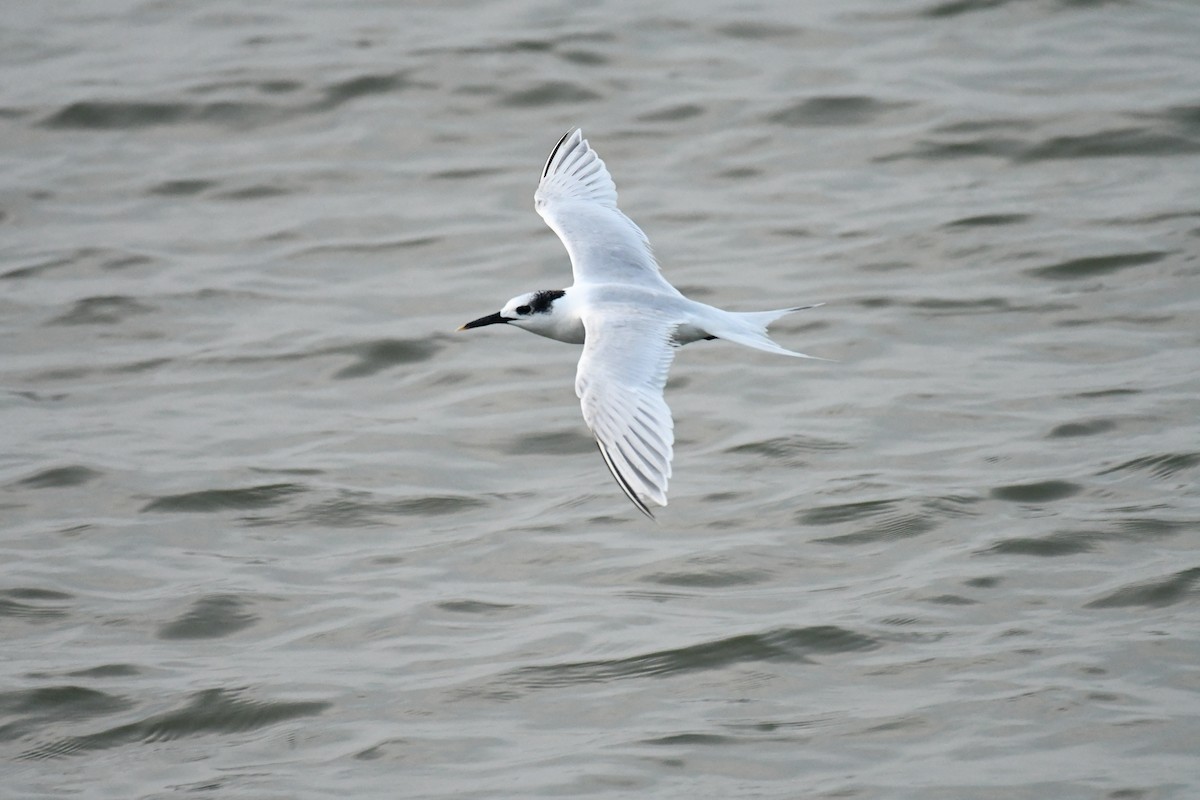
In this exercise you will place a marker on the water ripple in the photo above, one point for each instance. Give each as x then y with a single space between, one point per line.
891 527
210 711
791 450
36 604
30 710
211 500
988 220
1164 465
1092 266
105 114
353 509
1173 589
107 310
375 357
795 645
1085 428
128 114
210 617
1174 134
1062 543
954 8
845 512
1119 142
833 110
712 579
58 477
1037 491
549 93
344 91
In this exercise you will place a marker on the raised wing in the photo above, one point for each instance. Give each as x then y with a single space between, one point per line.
620 385
578 200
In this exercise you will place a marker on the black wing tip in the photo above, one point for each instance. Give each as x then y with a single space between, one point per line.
624 484
557 147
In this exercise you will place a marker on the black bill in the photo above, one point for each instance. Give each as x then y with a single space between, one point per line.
490 319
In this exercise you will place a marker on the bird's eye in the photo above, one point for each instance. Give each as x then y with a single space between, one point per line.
523 309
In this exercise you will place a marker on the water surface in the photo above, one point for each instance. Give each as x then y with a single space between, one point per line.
270 528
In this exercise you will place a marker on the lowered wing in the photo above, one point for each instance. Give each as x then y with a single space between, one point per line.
620 382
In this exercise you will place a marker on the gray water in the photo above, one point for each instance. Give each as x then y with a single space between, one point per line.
269 528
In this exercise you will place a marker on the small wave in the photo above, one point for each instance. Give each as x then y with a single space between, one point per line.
1073 542
183 187
755 30
1110 144
893 526
107 671
954 8
833 110
791 450
33 603
951 600
1165 465
795 645
549 93
59 477
1139 528
988 220
432 505
1062 543
82 259
887 520
352 247
211 500
940 306
123 115
29 711
106 114
474 607
692 739
1037 492
107 310
256 192
360 86
673 113
1186 118
210 711
377 356
711 579
1173 589
210 617
556 443
845 512
361 510
986 146
1069 430
464 174
1092 266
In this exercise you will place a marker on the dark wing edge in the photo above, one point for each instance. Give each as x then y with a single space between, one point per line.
554 152
623 483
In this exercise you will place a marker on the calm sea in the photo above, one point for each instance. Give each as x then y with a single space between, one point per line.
270 528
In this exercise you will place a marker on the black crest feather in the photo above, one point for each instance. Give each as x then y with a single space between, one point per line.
542 301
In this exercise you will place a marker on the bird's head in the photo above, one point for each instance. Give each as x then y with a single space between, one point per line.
532 310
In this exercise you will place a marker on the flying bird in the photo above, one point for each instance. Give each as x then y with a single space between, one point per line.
626 315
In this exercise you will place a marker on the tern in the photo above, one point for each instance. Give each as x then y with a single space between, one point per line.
626 315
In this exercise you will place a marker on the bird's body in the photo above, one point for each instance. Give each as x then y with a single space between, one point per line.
626 315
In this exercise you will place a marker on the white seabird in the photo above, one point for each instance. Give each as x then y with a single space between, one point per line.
626 315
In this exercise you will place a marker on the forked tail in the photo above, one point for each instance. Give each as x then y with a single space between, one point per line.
752 330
